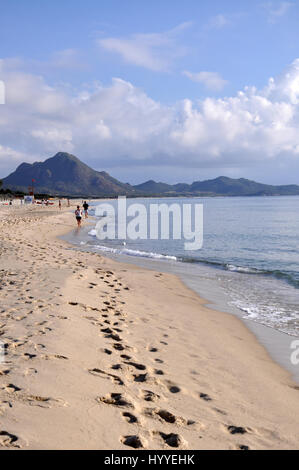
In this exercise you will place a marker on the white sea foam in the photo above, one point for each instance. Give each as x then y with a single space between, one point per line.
129 252
242 269
92 233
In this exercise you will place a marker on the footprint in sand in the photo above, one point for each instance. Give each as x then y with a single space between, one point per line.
103 374
107 351
141 378
39 346
48 357
29 356
135 365
205 396
148 395
117 366
106 330
115 399
132 441
125 356
159 361
173 388
163 414
44 402
118 330
120 347
113 336
11 388
129 417
168 417
237 429
173 440
146 378
8 440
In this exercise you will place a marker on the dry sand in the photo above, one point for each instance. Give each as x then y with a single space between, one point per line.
103 355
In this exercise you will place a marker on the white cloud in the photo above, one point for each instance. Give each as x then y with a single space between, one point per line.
120 126
13 156
219 21
276 11
154 51
211 80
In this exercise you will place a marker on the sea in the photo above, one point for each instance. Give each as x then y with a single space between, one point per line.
250 254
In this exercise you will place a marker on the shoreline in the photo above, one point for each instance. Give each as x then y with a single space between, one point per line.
277 343
83 327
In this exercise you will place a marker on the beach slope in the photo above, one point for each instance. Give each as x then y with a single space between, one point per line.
104 355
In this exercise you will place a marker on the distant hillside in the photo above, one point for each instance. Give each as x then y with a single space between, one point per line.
221 186
241 187
151 187
65 174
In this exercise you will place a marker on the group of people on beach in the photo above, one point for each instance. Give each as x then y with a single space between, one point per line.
79 213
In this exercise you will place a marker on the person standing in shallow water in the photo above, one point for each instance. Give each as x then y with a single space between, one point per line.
85 207
78 214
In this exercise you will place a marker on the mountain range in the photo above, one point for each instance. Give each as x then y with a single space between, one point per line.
65 175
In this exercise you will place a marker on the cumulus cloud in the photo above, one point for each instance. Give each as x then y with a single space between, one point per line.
120 126
211 80
154 51
276 11
2 92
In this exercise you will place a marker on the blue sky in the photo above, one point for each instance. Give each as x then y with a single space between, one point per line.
179 66
240 40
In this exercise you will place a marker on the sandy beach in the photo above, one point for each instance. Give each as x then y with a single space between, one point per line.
105 355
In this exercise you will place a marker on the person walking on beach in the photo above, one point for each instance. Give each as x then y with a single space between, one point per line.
59 203
85 207
78 214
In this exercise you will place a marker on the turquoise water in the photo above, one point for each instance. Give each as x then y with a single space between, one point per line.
250 247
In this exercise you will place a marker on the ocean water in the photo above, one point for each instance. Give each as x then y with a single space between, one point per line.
250 250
